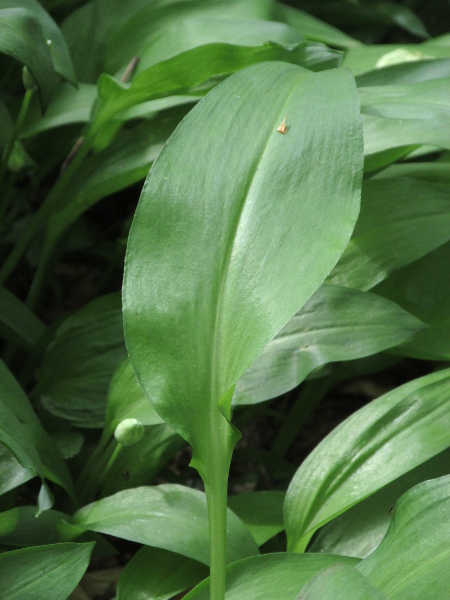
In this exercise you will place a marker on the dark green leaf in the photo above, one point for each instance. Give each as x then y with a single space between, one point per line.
17 323
12 474
424 288
262 513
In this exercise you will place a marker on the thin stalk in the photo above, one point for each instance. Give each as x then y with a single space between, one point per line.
9 148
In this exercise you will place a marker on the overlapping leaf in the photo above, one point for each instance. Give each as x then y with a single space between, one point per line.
377 444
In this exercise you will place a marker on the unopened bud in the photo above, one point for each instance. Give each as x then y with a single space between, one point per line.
129 432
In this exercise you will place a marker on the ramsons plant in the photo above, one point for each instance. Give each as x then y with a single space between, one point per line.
292 235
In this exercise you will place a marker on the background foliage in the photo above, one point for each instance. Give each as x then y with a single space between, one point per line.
294 283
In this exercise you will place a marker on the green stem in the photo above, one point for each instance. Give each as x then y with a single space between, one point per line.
53 199
216 488
9 148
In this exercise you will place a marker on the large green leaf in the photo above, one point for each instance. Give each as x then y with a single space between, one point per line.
360 529
424 288
412 561
58 49
156 574
168 516
401 220
237 296
336 324
340 582
22 38
269 576
43 573
78 364
385 439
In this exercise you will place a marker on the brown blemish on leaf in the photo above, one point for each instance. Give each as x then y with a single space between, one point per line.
282 128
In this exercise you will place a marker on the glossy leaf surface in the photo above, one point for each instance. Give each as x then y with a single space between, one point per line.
168 516
214 255
360 529
280 575
336 324
43 573
380 442
12 474
340 582
156 574
412 560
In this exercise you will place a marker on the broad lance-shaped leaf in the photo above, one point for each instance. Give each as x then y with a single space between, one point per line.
336 324
380 442
230 240
412 561
169 516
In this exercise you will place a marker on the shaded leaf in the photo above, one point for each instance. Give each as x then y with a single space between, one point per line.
261 512
22 38
79 362
17 323
156 574
424 288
